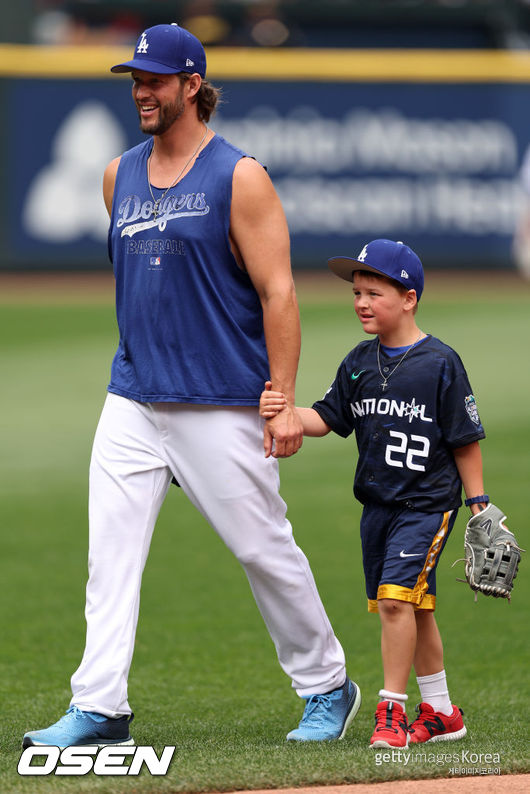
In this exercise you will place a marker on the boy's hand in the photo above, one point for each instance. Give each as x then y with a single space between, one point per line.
271 402
283 432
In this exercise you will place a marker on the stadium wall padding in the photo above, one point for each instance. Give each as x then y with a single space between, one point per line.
421 146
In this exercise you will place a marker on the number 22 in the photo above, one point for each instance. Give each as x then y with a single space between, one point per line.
408 452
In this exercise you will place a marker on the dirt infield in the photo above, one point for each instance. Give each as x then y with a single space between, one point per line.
492 784
56 288
98 287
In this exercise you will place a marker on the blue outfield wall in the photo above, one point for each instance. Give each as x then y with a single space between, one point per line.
430 160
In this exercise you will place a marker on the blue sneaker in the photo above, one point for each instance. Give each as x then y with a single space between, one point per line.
83 728
328 716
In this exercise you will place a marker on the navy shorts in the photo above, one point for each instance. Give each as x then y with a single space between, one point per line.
401 549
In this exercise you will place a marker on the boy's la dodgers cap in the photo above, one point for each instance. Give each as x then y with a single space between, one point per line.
386 257
166 49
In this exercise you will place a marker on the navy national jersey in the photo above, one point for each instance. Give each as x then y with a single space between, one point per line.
405 433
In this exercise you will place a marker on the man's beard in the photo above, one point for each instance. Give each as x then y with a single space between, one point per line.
167 115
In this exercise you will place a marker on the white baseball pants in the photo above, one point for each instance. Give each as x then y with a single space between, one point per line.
216 455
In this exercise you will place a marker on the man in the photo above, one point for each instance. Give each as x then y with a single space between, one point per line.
207 311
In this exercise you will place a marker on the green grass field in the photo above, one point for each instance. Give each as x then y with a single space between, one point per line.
205 677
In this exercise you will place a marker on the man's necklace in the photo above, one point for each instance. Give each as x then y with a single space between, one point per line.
157 202
384 382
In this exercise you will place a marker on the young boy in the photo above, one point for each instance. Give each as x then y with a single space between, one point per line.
408 399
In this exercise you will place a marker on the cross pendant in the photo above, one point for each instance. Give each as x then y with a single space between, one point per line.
384 385
155 208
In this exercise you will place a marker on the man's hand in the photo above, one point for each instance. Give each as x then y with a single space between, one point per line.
286 431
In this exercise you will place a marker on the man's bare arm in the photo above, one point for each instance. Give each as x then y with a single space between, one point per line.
259 231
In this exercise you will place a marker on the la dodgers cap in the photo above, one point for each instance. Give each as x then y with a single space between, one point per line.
386 257
166 49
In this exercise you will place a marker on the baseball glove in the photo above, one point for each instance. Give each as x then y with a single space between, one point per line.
492 554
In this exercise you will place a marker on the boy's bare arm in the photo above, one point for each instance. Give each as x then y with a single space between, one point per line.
468 461
312 422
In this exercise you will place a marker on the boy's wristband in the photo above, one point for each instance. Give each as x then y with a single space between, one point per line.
476 500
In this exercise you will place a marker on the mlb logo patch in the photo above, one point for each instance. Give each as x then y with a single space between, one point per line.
155 260
472 410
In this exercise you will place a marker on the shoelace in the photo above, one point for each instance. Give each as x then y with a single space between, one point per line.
424 716
78 713
74 711
396 721
311 714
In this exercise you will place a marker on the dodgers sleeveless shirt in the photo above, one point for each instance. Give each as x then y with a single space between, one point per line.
190 320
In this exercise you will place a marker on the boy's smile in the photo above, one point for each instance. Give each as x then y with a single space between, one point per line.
383 309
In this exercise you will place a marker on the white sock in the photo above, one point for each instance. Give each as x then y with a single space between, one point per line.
393 697
433 690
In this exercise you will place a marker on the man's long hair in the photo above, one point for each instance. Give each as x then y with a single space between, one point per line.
207 97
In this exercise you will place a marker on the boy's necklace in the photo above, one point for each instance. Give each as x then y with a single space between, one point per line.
384 383
157 202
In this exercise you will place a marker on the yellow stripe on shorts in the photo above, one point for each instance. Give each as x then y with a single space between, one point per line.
418 594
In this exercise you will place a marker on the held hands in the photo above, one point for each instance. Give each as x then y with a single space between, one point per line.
271 402
283 432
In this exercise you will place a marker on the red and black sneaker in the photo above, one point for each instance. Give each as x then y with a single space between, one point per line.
433 726
390 726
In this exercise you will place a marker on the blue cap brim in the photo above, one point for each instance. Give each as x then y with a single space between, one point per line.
144 65
344 266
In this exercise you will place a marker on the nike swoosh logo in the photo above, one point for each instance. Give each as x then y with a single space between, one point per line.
358 375
404 554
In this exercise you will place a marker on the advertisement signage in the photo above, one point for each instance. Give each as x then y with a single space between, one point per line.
433 164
